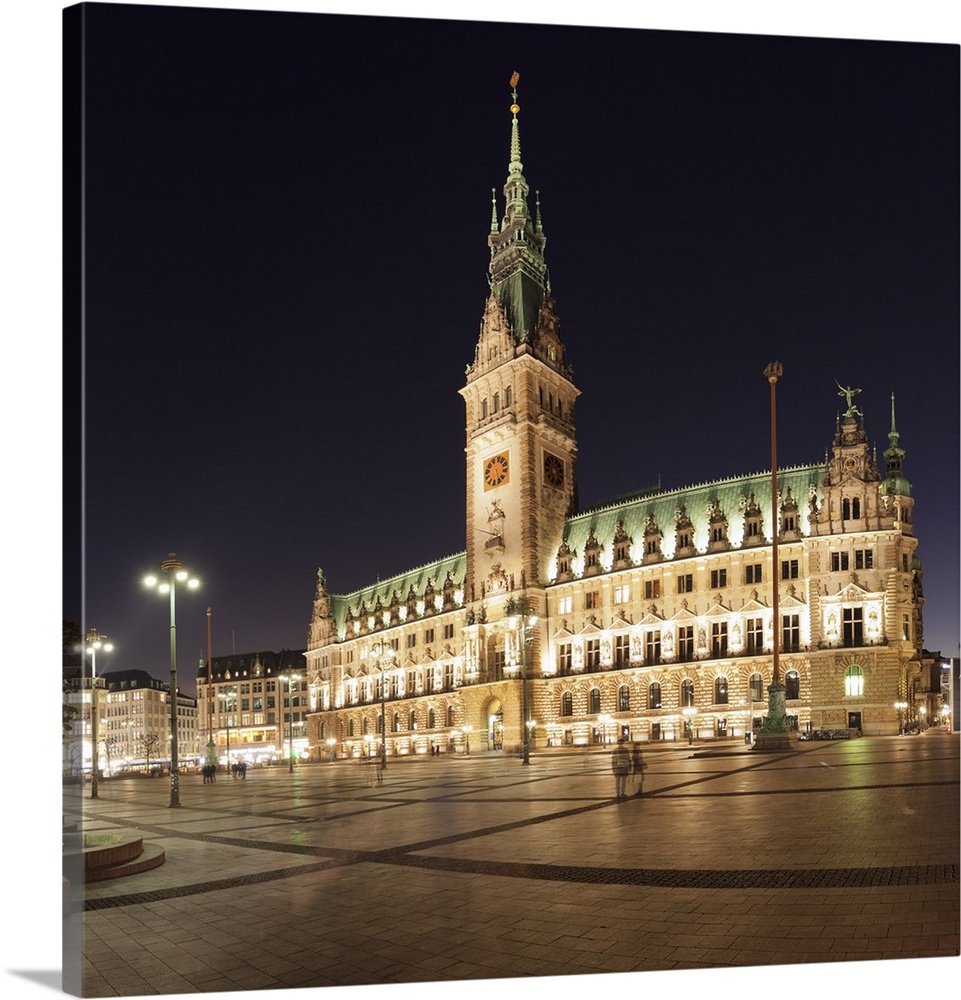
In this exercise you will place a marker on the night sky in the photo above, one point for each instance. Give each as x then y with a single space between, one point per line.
286 223
286 271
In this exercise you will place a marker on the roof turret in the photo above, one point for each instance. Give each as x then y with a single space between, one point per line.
894 481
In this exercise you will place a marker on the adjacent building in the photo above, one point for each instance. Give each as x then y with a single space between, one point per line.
651 617
133 721
253 707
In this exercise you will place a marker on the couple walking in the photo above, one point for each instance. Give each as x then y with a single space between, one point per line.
625 761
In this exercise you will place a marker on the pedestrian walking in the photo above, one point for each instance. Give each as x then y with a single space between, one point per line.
638 766
621 766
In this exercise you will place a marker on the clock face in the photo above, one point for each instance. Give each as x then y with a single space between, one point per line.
554 470
496 471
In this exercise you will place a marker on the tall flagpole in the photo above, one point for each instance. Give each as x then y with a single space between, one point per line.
774 735
211 759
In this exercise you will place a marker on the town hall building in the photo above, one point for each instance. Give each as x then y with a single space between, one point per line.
651 618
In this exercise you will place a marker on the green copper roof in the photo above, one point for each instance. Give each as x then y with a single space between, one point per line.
518 271
894 481
433 573
732 496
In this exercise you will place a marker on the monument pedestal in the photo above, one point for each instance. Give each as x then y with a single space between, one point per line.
775 735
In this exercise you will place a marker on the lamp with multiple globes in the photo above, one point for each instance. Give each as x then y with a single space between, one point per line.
173 573
290 677
94 642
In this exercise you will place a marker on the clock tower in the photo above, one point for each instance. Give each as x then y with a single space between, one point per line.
521 449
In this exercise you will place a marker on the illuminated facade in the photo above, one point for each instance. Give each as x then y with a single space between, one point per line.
133 722
253 706
651 617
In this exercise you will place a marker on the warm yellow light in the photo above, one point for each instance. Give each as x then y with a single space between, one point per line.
150 581
164 588
182 574
193 584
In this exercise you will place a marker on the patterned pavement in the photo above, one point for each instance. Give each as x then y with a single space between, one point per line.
480 869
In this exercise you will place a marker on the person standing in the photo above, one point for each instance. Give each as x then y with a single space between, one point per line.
621 766
638 766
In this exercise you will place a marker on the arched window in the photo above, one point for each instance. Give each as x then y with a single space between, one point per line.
720 691
431 719
323 730
450 715
854 681
792 684
623 698
687 693
567 703
396 722
366 726
654 695
594 701
350 727
412 722
756 687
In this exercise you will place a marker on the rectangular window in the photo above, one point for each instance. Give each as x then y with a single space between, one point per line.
853 626
622 594
564 658
863 558
790 633
719 639
411 641
592 654
622 650
905 628
685 643
428 636
752 573
565 605
652 589
685 583
449 631
755 636
718 578
789 569
652 647
592 599
839 562
448 676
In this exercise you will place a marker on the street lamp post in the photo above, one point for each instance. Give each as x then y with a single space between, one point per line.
173 569
290 678
923 709
604 719
519 616
94 642
690 711
385 656
225 697
467 731
900 706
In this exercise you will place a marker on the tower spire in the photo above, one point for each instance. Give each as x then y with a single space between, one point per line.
518 272
894 481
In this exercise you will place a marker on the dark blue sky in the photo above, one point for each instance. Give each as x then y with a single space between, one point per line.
286 267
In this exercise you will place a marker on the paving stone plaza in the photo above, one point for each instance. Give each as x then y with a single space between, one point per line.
470 869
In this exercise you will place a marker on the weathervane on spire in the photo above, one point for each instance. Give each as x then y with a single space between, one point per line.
515 79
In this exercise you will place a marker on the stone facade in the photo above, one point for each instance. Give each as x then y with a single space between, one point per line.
651 618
